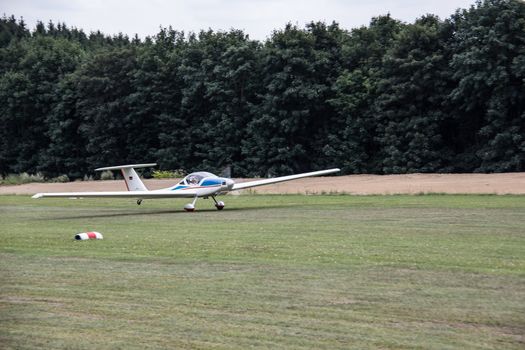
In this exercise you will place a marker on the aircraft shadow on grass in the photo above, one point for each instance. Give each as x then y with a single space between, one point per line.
155 212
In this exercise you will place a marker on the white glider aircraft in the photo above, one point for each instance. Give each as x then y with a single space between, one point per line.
195 185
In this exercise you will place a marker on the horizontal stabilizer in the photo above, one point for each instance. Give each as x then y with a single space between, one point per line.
118 167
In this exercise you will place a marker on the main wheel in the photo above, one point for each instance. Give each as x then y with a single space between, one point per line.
219 205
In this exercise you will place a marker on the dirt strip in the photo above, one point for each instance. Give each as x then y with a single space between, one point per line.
507 183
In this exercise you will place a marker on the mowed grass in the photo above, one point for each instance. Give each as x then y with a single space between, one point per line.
291 271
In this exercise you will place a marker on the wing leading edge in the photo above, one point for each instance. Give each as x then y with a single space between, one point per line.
93 194
243 185
122 194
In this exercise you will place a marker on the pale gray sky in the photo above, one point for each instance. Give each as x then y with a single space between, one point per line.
258 18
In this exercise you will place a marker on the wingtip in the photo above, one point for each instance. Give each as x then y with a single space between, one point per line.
38 195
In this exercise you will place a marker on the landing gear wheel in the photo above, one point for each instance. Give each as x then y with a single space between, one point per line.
139 201
219 205
189 207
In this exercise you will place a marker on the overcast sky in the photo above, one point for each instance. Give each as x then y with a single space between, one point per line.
258 18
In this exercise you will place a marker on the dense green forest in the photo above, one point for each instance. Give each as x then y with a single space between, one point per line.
391 97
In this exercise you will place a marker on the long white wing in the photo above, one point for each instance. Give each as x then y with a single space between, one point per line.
123 194
129 194
255 183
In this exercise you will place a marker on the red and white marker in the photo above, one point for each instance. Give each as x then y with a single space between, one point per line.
88 235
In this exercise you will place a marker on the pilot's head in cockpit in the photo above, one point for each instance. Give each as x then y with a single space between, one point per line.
192 180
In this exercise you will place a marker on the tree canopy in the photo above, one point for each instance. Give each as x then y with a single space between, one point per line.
436 95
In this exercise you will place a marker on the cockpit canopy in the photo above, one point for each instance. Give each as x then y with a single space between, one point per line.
196 178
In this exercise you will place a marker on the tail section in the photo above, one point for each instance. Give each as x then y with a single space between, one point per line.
133 181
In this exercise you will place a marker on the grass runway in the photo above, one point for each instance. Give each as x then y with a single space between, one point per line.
290 271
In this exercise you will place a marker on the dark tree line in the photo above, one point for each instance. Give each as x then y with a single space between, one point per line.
430 96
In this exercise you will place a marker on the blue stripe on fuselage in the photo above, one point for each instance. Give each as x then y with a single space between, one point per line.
211 182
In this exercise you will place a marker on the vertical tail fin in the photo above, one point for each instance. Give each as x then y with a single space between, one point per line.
133 181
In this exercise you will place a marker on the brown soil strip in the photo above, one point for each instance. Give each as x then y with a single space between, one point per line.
507 183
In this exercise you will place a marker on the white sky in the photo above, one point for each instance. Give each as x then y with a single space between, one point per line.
258 18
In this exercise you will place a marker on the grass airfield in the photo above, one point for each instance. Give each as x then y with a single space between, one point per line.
288 271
